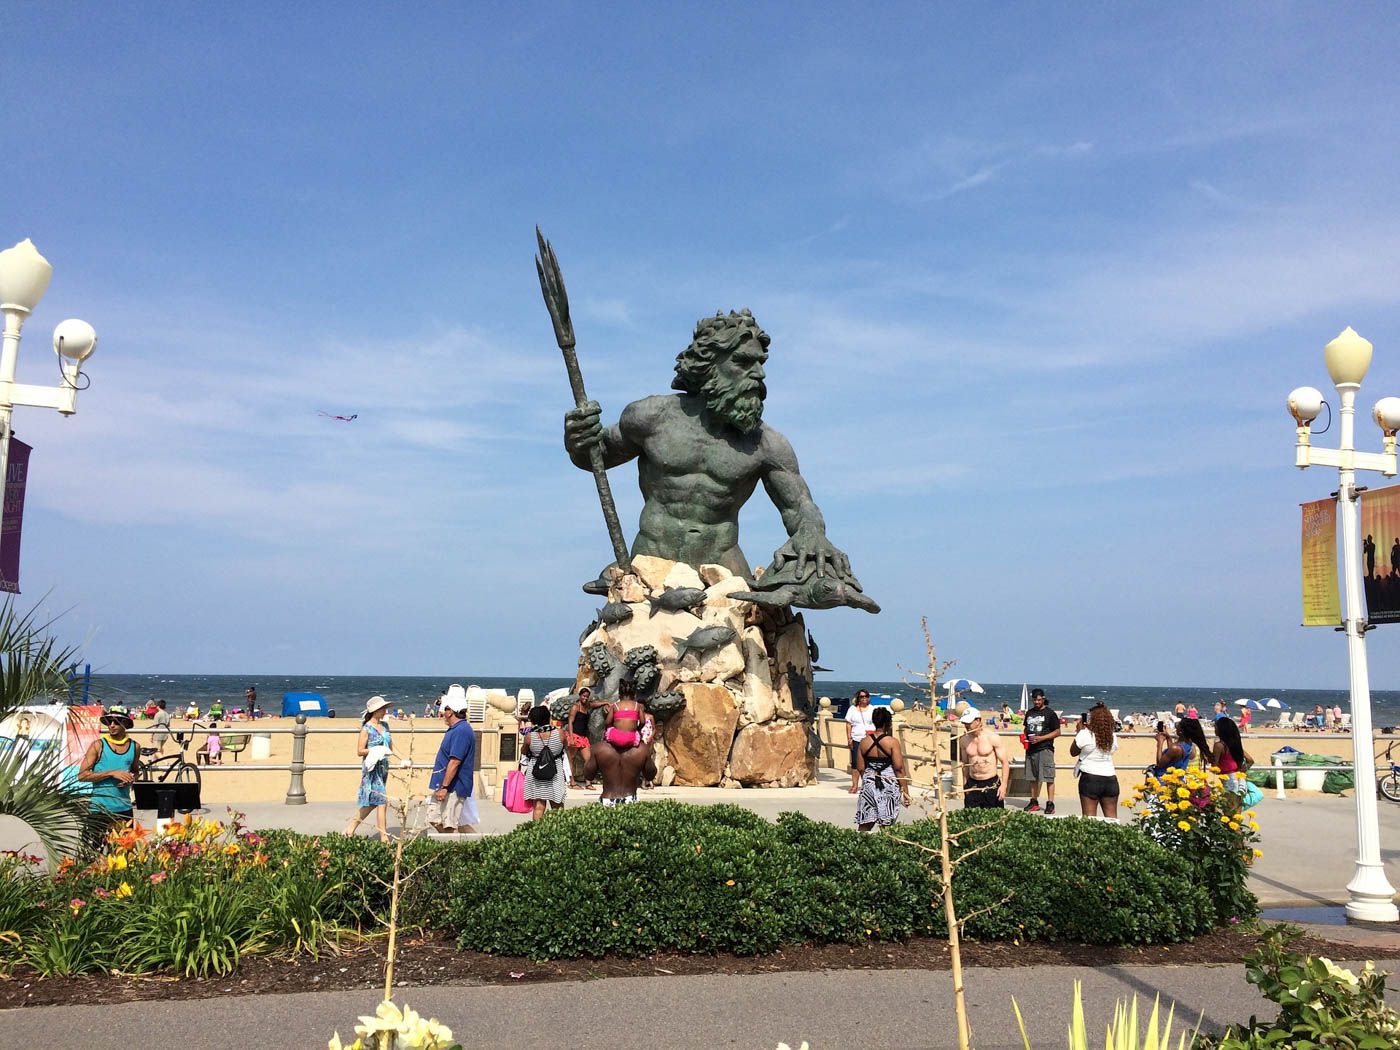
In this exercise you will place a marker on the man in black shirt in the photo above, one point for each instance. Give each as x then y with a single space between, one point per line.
1042 727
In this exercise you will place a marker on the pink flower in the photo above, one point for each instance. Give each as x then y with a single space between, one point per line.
157 878
77 904
104 894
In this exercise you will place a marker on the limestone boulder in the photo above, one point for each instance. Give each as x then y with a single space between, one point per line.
792 672
717 593
658 630
756 700
628 589
774 755
712 574
682 575
699 736
651 571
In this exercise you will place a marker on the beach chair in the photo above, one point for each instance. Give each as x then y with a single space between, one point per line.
1285 721
1345 725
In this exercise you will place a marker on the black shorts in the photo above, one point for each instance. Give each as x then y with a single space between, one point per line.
982 794
855 747
1092 785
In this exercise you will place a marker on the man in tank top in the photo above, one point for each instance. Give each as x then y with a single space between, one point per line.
110 766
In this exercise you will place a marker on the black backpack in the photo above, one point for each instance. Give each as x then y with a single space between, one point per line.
546 765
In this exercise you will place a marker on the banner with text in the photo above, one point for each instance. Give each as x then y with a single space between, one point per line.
1321 605
16 476
1380 542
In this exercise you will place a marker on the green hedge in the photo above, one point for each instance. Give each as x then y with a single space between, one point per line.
657 876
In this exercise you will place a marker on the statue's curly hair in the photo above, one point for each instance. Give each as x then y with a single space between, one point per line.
713 336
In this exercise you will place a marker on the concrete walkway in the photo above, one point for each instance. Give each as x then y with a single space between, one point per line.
832 1010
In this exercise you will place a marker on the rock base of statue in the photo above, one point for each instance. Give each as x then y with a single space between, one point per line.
742 669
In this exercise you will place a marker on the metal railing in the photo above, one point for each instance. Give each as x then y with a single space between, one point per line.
488 751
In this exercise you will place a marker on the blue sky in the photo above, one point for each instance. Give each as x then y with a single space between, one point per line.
1038 278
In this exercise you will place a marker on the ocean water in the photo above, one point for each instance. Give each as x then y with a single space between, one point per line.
347 694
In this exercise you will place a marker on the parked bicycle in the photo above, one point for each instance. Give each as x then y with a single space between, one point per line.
174 768
1389 783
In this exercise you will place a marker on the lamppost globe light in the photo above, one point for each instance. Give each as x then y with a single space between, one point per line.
24 276
1387 415
1304 404
74 339
1348 357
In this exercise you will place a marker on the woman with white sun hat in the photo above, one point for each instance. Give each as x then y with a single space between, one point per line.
375 746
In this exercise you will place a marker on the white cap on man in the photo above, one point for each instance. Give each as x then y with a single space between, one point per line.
969 716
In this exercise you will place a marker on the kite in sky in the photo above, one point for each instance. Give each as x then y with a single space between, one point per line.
343 419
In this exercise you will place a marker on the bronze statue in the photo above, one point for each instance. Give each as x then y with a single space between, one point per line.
700 454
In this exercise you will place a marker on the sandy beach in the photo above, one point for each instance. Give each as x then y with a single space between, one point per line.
331 742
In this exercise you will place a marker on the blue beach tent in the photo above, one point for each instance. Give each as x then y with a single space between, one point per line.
310 704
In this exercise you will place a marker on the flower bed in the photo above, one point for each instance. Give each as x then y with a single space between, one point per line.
592 882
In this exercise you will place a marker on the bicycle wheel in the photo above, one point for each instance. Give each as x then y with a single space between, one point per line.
1389 786
187 773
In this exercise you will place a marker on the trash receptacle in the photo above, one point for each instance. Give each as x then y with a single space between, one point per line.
260 747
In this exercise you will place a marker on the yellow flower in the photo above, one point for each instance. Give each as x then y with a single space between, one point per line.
1258 852
124 890
1182 793
231 848
1224 819
1253 826
729 882
1183 825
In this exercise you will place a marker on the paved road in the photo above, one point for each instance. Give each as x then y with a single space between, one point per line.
832 1010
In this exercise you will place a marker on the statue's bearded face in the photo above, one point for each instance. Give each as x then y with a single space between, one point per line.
734 389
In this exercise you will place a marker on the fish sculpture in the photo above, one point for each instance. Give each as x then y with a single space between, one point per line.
705 639
676 599
587 631
816 592
615 613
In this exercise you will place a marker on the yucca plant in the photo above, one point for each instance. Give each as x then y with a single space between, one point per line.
1122 1033
35 668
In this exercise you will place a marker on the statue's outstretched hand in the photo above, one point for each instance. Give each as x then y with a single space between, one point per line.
583 428
811 550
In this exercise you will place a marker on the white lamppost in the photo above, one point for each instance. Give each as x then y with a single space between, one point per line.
24 277
1371 897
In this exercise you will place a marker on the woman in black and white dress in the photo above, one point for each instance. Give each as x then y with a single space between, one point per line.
884 783
541 736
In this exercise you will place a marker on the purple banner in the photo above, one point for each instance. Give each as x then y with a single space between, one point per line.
15 479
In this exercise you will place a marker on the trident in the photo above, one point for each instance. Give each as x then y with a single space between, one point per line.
557 300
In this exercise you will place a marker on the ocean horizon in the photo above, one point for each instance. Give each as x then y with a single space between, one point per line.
347 693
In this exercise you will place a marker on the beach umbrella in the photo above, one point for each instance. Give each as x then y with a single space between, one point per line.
1273 702
1025 698
964 685
1253 705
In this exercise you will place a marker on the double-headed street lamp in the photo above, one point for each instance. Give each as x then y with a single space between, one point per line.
1371 897
24 277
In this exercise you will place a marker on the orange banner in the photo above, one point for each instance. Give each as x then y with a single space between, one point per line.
1380 553
1322 607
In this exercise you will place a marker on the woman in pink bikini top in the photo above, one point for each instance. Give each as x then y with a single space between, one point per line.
625 718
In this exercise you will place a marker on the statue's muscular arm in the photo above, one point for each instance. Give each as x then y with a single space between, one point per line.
803 520
621 442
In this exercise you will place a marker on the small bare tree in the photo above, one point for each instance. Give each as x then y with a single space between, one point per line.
942 854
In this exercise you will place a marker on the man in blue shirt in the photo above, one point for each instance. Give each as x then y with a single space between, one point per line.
451 807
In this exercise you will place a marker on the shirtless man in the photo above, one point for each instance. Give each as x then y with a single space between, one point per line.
700 455
622 771
986 764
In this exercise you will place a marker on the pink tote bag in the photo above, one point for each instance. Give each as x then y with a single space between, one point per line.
513 794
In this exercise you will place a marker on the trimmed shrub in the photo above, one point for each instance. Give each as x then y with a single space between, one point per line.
666 876
1075 880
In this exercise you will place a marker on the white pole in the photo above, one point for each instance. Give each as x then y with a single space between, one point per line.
1372 898
9 359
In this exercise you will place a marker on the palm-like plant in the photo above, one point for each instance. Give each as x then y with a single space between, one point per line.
35 668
